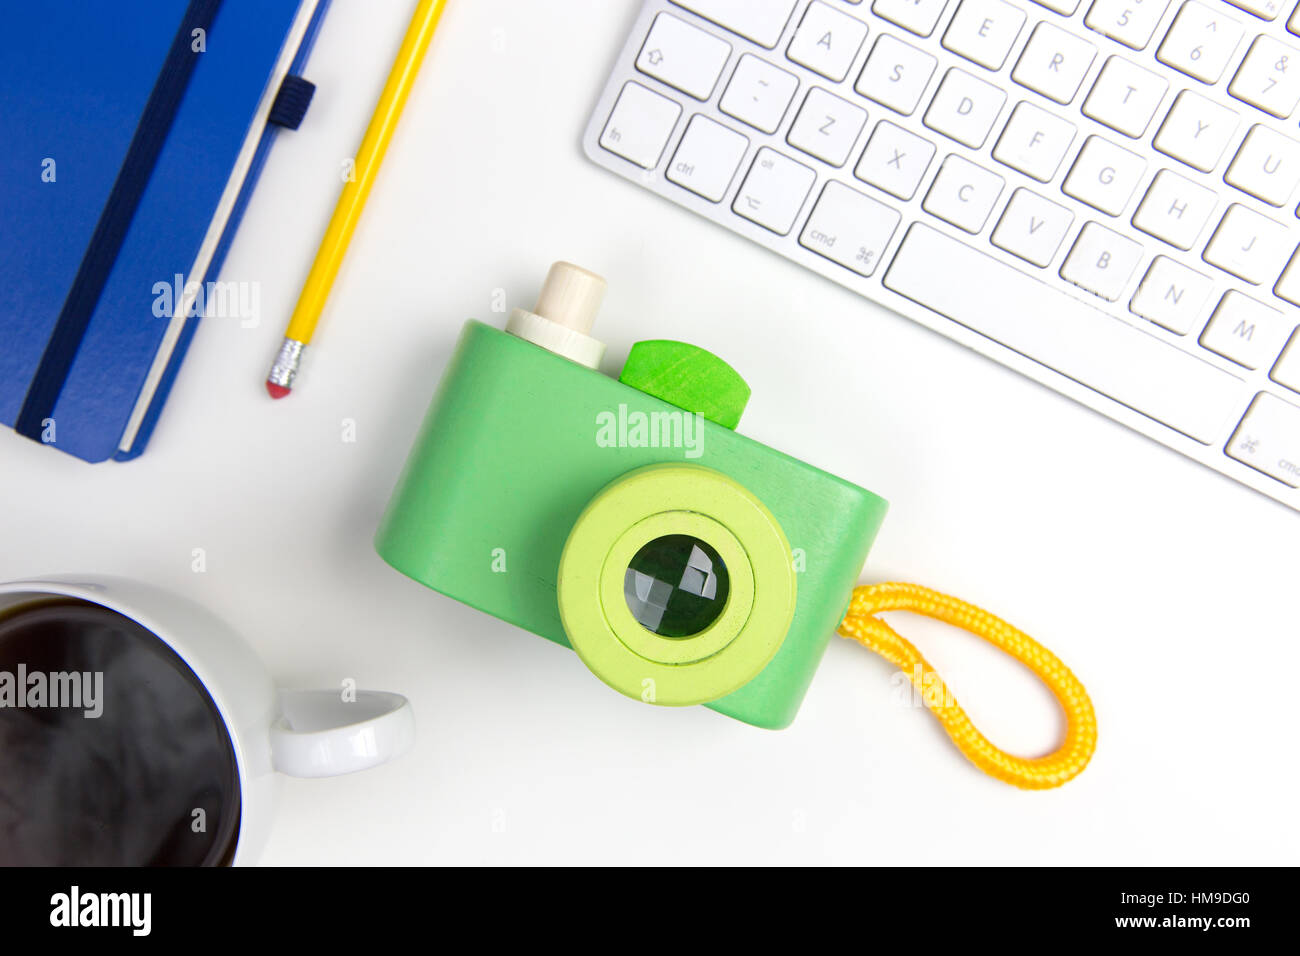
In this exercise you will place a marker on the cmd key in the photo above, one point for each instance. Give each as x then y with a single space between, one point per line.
1268 439
849 228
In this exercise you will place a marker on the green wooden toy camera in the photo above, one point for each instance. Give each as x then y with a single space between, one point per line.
626 519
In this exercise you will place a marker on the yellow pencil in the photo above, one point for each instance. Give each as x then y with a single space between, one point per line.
353 198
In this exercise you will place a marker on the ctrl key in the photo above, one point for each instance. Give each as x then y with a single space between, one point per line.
1268 439
640 125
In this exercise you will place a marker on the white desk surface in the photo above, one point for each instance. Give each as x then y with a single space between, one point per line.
1171 591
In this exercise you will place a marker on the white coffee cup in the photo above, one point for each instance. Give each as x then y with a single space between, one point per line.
299 733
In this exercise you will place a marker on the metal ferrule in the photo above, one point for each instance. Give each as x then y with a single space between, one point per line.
286 363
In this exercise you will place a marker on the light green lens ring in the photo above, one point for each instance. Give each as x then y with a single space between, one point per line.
668 650
651 491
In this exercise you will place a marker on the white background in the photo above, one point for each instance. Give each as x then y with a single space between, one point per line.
1168 589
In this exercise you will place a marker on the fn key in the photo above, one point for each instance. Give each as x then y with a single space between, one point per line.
640 125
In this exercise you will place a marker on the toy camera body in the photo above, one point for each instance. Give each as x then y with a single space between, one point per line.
685 563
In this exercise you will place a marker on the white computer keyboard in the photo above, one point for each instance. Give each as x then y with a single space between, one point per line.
1098 193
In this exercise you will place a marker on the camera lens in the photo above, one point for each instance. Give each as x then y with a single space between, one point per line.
676 586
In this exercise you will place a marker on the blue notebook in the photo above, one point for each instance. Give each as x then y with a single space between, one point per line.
131 136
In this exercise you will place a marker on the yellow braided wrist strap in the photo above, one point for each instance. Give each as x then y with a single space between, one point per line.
1030 773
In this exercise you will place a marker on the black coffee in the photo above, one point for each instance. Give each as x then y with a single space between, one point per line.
111 751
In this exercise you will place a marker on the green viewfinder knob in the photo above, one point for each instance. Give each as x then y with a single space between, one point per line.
689 377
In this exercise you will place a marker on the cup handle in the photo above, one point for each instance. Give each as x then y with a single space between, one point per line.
320 734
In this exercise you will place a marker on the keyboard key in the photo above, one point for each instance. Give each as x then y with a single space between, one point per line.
1245 331
826 41
1294 23
895 160
1196 131
1171 295
1104 176
1032 227
827 127
1288 287
1065 8
1175 209
1054 63
1264 9
983 31
849 228
1034 142
1101 261
1268 439
640 124
1125 97
707 158
896 74
1287 370
1267 166
1200 42
965 108
963 194
774 190
683 56
1130 22
917 16
1160 266
762 21
758 93
1053 328
1269 77
1249 246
